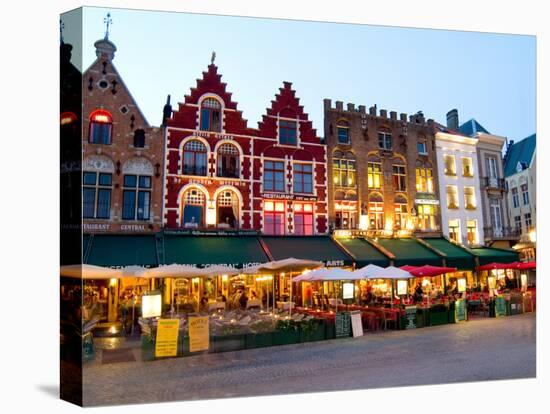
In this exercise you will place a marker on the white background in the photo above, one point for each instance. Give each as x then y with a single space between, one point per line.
29 204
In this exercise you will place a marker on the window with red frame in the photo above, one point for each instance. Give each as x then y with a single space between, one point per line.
274 176
274 217
101 127
303 178
303 219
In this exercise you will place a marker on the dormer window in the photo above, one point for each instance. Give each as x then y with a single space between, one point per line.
211 115
139 138
101 127
343 132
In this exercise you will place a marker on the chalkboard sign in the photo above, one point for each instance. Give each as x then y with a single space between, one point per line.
460 310
500 306
343 324
410 316
356 324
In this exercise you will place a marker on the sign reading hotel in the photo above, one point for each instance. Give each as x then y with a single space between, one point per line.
284 196
167 338
199 335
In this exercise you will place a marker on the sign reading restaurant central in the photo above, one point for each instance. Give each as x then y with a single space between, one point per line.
221 174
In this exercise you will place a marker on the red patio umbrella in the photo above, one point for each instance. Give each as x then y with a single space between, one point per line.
527 265
493 266
427 270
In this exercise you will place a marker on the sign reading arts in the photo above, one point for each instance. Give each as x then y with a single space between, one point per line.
199 335
167 338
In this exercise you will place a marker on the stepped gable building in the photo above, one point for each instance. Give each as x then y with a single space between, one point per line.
382 171
221 174
122 154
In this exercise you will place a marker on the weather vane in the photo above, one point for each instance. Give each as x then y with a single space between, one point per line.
108 21
61 27
213 57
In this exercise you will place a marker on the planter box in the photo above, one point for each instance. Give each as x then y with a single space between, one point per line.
421 318
227 343
330 330
147 348
439 318
286 337
259 340
317 334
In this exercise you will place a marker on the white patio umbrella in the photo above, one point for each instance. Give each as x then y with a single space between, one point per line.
87 271
174 270
392 273
216 270
368 271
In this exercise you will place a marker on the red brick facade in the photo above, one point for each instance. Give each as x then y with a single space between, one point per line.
222 174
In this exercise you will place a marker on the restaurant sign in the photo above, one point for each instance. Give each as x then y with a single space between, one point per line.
167 338
460 310
199 336
410 317
500 306
428 201
284 196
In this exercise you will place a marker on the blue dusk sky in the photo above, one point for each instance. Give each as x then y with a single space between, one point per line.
490 77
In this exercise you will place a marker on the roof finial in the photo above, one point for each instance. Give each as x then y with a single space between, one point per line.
213 58
108 21
61 28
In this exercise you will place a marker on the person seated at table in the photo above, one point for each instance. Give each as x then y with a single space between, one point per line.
204 303
418 292
243 300
253 294
221 297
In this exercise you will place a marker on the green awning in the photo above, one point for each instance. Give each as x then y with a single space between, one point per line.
320 248
237 251
488 255
363 252
410 252
127 250
456 256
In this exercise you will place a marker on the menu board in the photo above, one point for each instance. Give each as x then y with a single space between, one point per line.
460 310
356 324
199 334
500 306
167 337
410 316
343 327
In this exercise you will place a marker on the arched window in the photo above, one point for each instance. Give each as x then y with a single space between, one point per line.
288 128
343 131
228 209
194 158
401 212
228 161
211 115
101 127
194 206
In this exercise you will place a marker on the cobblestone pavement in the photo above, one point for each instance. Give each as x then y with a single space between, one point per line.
482 349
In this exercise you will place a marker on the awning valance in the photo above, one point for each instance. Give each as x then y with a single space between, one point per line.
121 250
363 252
410 252
455 255
488 255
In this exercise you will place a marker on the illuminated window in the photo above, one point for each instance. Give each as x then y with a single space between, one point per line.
228 161
274 176
384 140
101 127
194 158
471 228
68 118
400 213
194 206
399 178
344 171
274 217
96 194
426 217
454 230
374 175
211 115
424 180
469 198
450 165
376 212
228 209
303 219
452 197
343 132
303 178
136 197
467 167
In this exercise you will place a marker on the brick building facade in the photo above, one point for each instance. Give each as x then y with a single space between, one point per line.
382 171
221 174
122 155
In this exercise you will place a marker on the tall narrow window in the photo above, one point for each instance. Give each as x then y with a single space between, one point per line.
426 217
274 176
450 165
424 180
517 223
400 213
469 198
288 131
303 219
274 217
376 212
374 175
467 167
344 171
136 197
194 206
528 221
454 230
228 161
491 164
452 197
194 158
384 140
496 217
228 210
303 178
525 194
399 178
515 197
471 229
211 115
96 195
101 127
343 132
139 138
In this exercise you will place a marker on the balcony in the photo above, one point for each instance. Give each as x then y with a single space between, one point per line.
194 170
493 183
505 233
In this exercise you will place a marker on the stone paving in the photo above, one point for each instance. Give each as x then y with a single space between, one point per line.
482 349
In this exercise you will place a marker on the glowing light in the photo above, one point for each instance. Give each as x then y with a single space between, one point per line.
533 236
112 282
364 222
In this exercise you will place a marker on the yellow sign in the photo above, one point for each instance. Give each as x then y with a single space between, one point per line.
167 338
199 335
